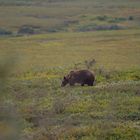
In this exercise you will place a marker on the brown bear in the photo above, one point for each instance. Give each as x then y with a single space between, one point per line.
81 76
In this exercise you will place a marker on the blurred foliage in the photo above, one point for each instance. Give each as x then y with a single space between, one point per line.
10 121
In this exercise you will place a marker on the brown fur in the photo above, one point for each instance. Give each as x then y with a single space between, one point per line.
81 77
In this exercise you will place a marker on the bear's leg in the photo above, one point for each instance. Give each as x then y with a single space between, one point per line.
90 83
82 84
71 84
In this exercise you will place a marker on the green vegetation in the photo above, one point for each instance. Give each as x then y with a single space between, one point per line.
41 41
58 15
4 32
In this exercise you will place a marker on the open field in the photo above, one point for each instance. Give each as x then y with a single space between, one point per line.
64 15
118 50
41 41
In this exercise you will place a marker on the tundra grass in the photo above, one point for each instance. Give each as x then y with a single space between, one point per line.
105 111
112 50
33 105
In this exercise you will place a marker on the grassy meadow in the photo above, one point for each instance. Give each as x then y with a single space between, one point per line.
41 41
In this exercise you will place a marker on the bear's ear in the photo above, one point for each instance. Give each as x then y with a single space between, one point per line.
65 78
72 71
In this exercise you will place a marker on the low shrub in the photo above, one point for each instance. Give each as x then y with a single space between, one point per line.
5 32
108 27
26 30
56 29
94 27
102 18
117 19
84 28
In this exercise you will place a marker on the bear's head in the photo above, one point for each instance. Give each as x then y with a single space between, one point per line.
65 81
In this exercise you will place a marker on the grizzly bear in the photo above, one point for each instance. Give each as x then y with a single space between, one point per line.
81 77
